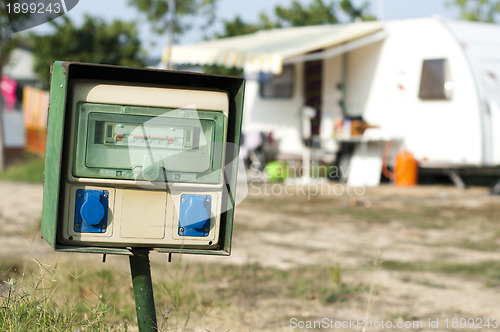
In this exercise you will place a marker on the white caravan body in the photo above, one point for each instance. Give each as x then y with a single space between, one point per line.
376 75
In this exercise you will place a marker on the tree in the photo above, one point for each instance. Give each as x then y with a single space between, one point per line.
316 13
237 27
478 10
157 11
95 41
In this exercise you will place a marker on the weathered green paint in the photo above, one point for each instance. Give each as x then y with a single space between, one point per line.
62 75
236 138
143 290
94 250
219 252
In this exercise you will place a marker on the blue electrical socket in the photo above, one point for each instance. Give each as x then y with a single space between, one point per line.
194 215
91 211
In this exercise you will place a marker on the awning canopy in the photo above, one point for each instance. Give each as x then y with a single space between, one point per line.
267 50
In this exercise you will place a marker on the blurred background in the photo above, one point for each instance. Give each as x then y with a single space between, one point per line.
371 149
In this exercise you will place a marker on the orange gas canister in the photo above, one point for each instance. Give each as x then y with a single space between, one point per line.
405 170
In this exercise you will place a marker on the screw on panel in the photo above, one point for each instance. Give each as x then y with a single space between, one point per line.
206 230
77 225
105 196
79 195
103 226
181 229
184 199
208 200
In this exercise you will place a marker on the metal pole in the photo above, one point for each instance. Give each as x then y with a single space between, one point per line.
143 289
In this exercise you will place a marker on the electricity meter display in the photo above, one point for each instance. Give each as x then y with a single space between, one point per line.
146 143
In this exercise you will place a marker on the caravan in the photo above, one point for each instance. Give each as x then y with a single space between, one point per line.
429 85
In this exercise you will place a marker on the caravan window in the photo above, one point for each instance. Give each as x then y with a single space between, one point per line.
435 82
278 86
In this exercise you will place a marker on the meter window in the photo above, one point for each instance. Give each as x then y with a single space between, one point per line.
125 142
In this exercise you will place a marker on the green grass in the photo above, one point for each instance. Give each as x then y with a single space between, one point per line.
412 213
486 245
254 283
30 171
325 284
28 304
40 297
35 311
45 298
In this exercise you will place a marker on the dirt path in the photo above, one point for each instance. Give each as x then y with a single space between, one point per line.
425 252
425 232
20 215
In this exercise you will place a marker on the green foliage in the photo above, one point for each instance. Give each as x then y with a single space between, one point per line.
28 306
296 14
30 170
478 10
157 11
318 12
237 27
95 41
357 13
8 40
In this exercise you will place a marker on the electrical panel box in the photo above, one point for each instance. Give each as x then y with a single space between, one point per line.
140 158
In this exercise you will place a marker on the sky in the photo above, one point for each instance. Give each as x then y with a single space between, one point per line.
247 10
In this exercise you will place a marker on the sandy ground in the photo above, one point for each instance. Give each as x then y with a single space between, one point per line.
299 226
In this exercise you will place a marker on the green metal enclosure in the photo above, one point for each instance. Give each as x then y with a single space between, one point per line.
64 74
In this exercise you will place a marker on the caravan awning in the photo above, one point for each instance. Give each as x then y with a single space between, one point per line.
267 50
